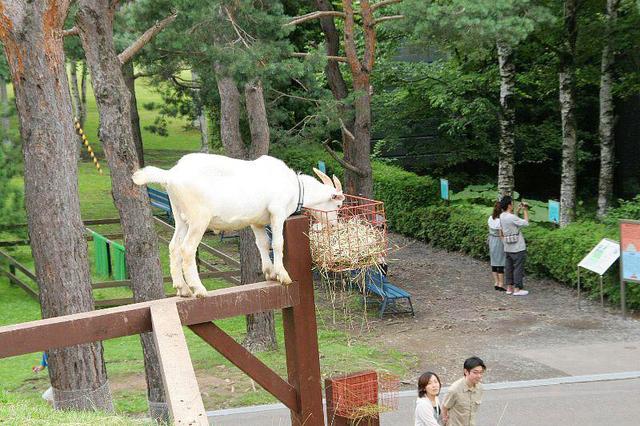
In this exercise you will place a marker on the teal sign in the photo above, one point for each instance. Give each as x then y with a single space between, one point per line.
444 189
322 167
554 211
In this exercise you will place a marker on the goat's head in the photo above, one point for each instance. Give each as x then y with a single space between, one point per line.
329 201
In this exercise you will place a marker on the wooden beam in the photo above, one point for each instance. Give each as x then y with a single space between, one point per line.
180 384
222 255
167 279
300 329
247 362
18 265
69 330
31 292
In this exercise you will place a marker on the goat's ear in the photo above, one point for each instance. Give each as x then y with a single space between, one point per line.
336 183
324 178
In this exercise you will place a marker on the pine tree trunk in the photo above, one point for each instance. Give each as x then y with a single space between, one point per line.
506 159
230 116
332 70
75 90
261 331
203 125
94 20
31 34
606 128
4 113
258 122
83 94
130 82
566 78
358 153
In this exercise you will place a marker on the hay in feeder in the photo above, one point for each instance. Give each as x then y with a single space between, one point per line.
351 243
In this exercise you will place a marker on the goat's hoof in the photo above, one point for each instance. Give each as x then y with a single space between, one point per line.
183 291
270 276
200 292
284 278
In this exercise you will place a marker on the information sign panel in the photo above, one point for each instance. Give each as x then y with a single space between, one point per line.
601 257
630 249
554 211
444 189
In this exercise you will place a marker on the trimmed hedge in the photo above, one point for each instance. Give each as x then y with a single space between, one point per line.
414 209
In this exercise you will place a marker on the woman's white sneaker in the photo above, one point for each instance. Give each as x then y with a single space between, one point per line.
521 293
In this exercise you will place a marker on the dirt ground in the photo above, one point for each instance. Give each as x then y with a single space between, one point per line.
459 314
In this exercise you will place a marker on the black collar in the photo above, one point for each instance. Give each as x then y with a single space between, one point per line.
300 195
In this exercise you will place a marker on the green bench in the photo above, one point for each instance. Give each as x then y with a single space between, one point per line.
160 199
377 283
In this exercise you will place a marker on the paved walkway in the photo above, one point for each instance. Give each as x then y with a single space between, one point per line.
603 399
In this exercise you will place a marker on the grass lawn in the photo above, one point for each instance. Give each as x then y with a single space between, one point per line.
221 384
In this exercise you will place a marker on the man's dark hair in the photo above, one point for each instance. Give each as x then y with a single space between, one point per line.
505 201
473 362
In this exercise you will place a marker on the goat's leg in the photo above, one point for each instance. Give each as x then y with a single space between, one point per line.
189 267
175 257
262 241
277 242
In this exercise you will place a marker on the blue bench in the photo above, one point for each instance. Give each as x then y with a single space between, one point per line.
377 283
160 199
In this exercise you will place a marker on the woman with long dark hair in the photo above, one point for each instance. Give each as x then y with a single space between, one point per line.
496 248
428 404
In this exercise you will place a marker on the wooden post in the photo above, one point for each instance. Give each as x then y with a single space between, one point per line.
181 387
300 329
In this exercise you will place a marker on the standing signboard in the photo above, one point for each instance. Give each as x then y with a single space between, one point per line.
599 260
629 257
444 189
322 167
554 211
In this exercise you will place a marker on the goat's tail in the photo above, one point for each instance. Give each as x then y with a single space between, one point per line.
150 174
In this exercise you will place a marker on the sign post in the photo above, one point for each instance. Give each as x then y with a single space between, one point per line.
554 211
599 260
629 257
444 189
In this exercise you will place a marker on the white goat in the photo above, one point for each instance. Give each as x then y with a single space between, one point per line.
226 194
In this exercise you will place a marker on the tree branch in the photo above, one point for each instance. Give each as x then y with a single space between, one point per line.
349 42
330 58
342 162
387 18
70 32
383 4
314 15
346 131
135 47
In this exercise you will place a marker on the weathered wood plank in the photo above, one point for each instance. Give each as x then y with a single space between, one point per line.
181 387
132 319
18 265
222 255
247 362
167 279
31 292
300 329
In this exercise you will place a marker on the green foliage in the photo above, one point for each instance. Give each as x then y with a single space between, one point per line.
629 209
11 192
552 252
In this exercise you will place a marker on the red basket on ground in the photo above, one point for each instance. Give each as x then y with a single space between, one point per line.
364 394
352 237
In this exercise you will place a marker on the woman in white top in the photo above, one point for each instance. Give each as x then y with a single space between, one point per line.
496 248
428 404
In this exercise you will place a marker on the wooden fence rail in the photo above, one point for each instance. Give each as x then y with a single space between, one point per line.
301 392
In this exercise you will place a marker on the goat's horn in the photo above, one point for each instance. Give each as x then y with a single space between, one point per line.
336 183
324 178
